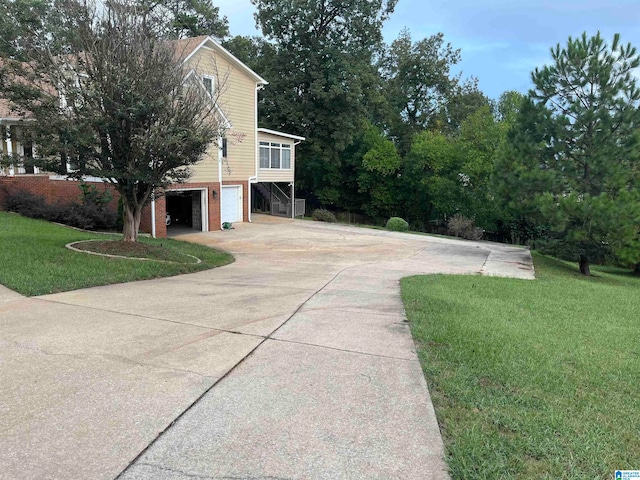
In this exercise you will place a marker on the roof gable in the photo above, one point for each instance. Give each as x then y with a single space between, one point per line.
187 47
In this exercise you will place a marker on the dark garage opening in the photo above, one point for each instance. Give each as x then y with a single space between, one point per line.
185 211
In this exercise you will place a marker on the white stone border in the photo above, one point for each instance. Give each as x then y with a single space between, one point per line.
70 246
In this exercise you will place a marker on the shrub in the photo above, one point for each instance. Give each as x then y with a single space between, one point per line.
461 226
322 215
91 195
27 204
397 224
88 215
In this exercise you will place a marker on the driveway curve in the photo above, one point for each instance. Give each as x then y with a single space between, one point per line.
294 362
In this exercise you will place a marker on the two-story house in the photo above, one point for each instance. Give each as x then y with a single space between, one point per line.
250 169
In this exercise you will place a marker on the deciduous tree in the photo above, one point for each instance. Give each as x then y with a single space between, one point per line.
418 81
319 71
371 183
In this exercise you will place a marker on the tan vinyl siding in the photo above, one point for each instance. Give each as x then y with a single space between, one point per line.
206 170
237 101
272 174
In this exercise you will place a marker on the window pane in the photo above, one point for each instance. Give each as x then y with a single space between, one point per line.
275 158
264 157
286 145
208 84
264 143
275 145
286 158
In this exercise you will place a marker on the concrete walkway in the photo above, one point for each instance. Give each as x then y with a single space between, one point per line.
294 362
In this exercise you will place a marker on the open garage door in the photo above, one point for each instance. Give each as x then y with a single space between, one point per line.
185 210
231 204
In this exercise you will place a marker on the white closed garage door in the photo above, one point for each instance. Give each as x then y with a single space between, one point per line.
231 204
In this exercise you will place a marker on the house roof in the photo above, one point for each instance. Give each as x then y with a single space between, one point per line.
280 134
5 107
7 114
5 111
187 47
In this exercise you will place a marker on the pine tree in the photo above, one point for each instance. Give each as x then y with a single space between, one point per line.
574 155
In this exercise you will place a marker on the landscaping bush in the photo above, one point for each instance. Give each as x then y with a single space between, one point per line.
88 217
322 215
91 195
27 204
397 224
91 214
461 226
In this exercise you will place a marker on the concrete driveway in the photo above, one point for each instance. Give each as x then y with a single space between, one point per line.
294 362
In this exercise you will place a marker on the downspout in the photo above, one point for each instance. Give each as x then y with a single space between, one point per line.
254 179
153 215
220 180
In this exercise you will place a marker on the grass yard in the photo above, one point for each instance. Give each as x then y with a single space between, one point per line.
532 379
34 260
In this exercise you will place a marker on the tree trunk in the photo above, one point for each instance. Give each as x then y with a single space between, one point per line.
636 270
131 223
584 265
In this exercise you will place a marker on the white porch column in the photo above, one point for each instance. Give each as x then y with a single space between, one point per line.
33 152
20 152
12 171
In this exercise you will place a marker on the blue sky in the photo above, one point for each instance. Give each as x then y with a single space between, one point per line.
501 41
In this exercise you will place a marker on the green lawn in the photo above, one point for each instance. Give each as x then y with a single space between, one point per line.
532 379
34 260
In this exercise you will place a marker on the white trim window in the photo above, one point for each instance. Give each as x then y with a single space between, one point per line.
275 155
209 83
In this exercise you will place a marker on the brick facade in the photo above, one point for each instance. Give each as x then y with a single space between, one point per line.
66 191
161 208
55 192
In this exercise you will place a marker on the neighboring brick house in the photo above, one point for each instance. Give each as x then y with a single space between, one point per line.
250 169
